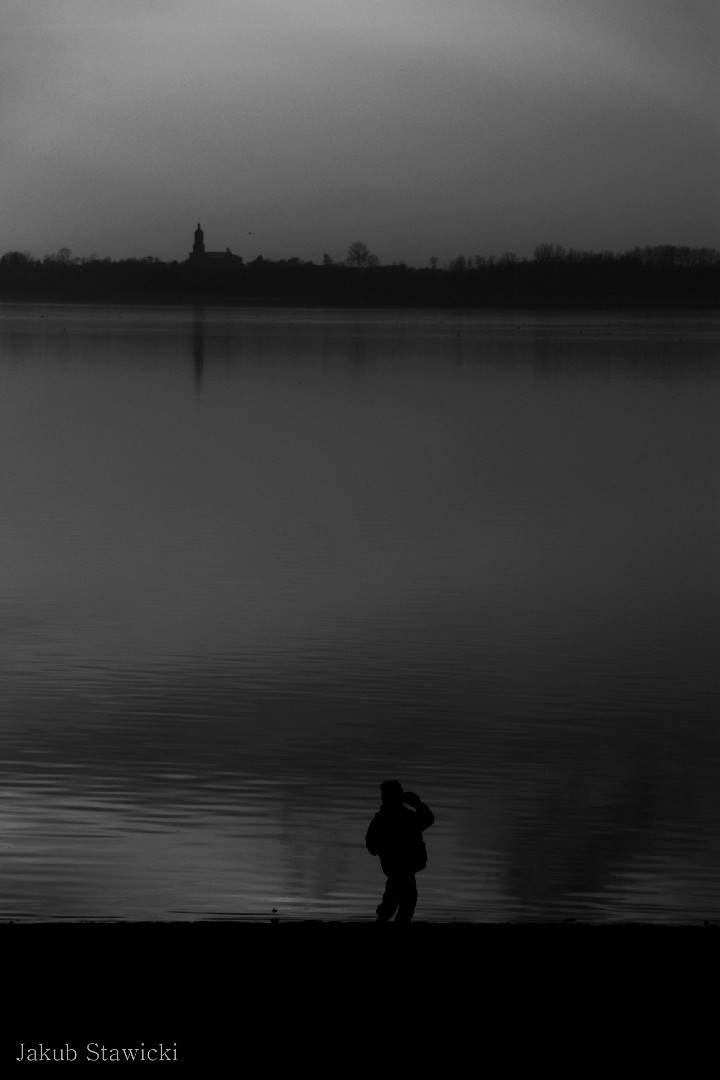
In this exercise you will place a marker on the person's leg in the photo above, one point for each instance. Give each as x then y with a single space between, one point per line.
389 903
407 898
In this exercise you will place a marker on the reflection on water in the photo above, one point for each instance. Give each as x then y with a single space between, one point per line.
255 562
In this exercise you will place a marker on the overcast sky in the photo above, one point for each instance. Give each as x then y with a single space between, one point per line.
422 127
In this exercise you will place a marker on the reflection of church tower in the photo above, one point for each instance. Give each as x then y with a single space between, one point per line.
198 347
199 246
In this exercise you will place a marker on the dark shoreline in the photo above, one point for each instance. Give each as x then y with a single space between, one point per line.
654 278
194 925
246 997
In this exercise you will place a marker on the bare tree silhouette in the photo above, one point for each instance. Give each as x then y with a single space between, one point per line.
360 255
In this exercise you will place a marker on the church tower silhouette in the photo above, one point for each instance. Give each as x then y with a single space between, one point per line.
199 246
202 257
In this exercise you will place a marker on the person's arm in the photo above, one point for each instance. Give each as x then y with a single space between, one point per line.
425 815
427 818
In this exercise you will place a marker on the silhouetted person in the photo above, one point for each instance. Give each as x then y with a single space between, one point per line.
395 834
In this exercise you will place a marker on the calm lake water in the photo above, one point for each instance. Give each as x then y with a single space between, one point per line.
255 562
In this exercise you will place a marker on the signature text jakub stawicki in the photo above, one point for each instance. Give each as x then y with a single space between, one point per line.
92 1051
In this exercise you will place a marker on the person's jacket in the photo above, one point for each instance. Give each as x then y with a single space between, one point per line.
395 834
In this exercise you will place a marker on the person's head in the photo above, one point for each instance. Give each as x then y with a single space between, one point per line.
391 793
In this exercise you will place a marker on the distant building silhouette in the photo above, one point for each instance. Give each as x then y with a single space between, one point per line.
200 255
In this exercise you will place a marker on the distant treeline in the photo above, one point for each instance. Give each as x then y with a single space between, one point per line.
554 277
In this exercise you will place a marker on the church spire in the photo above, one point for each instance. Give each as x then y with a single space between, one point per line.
199 245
